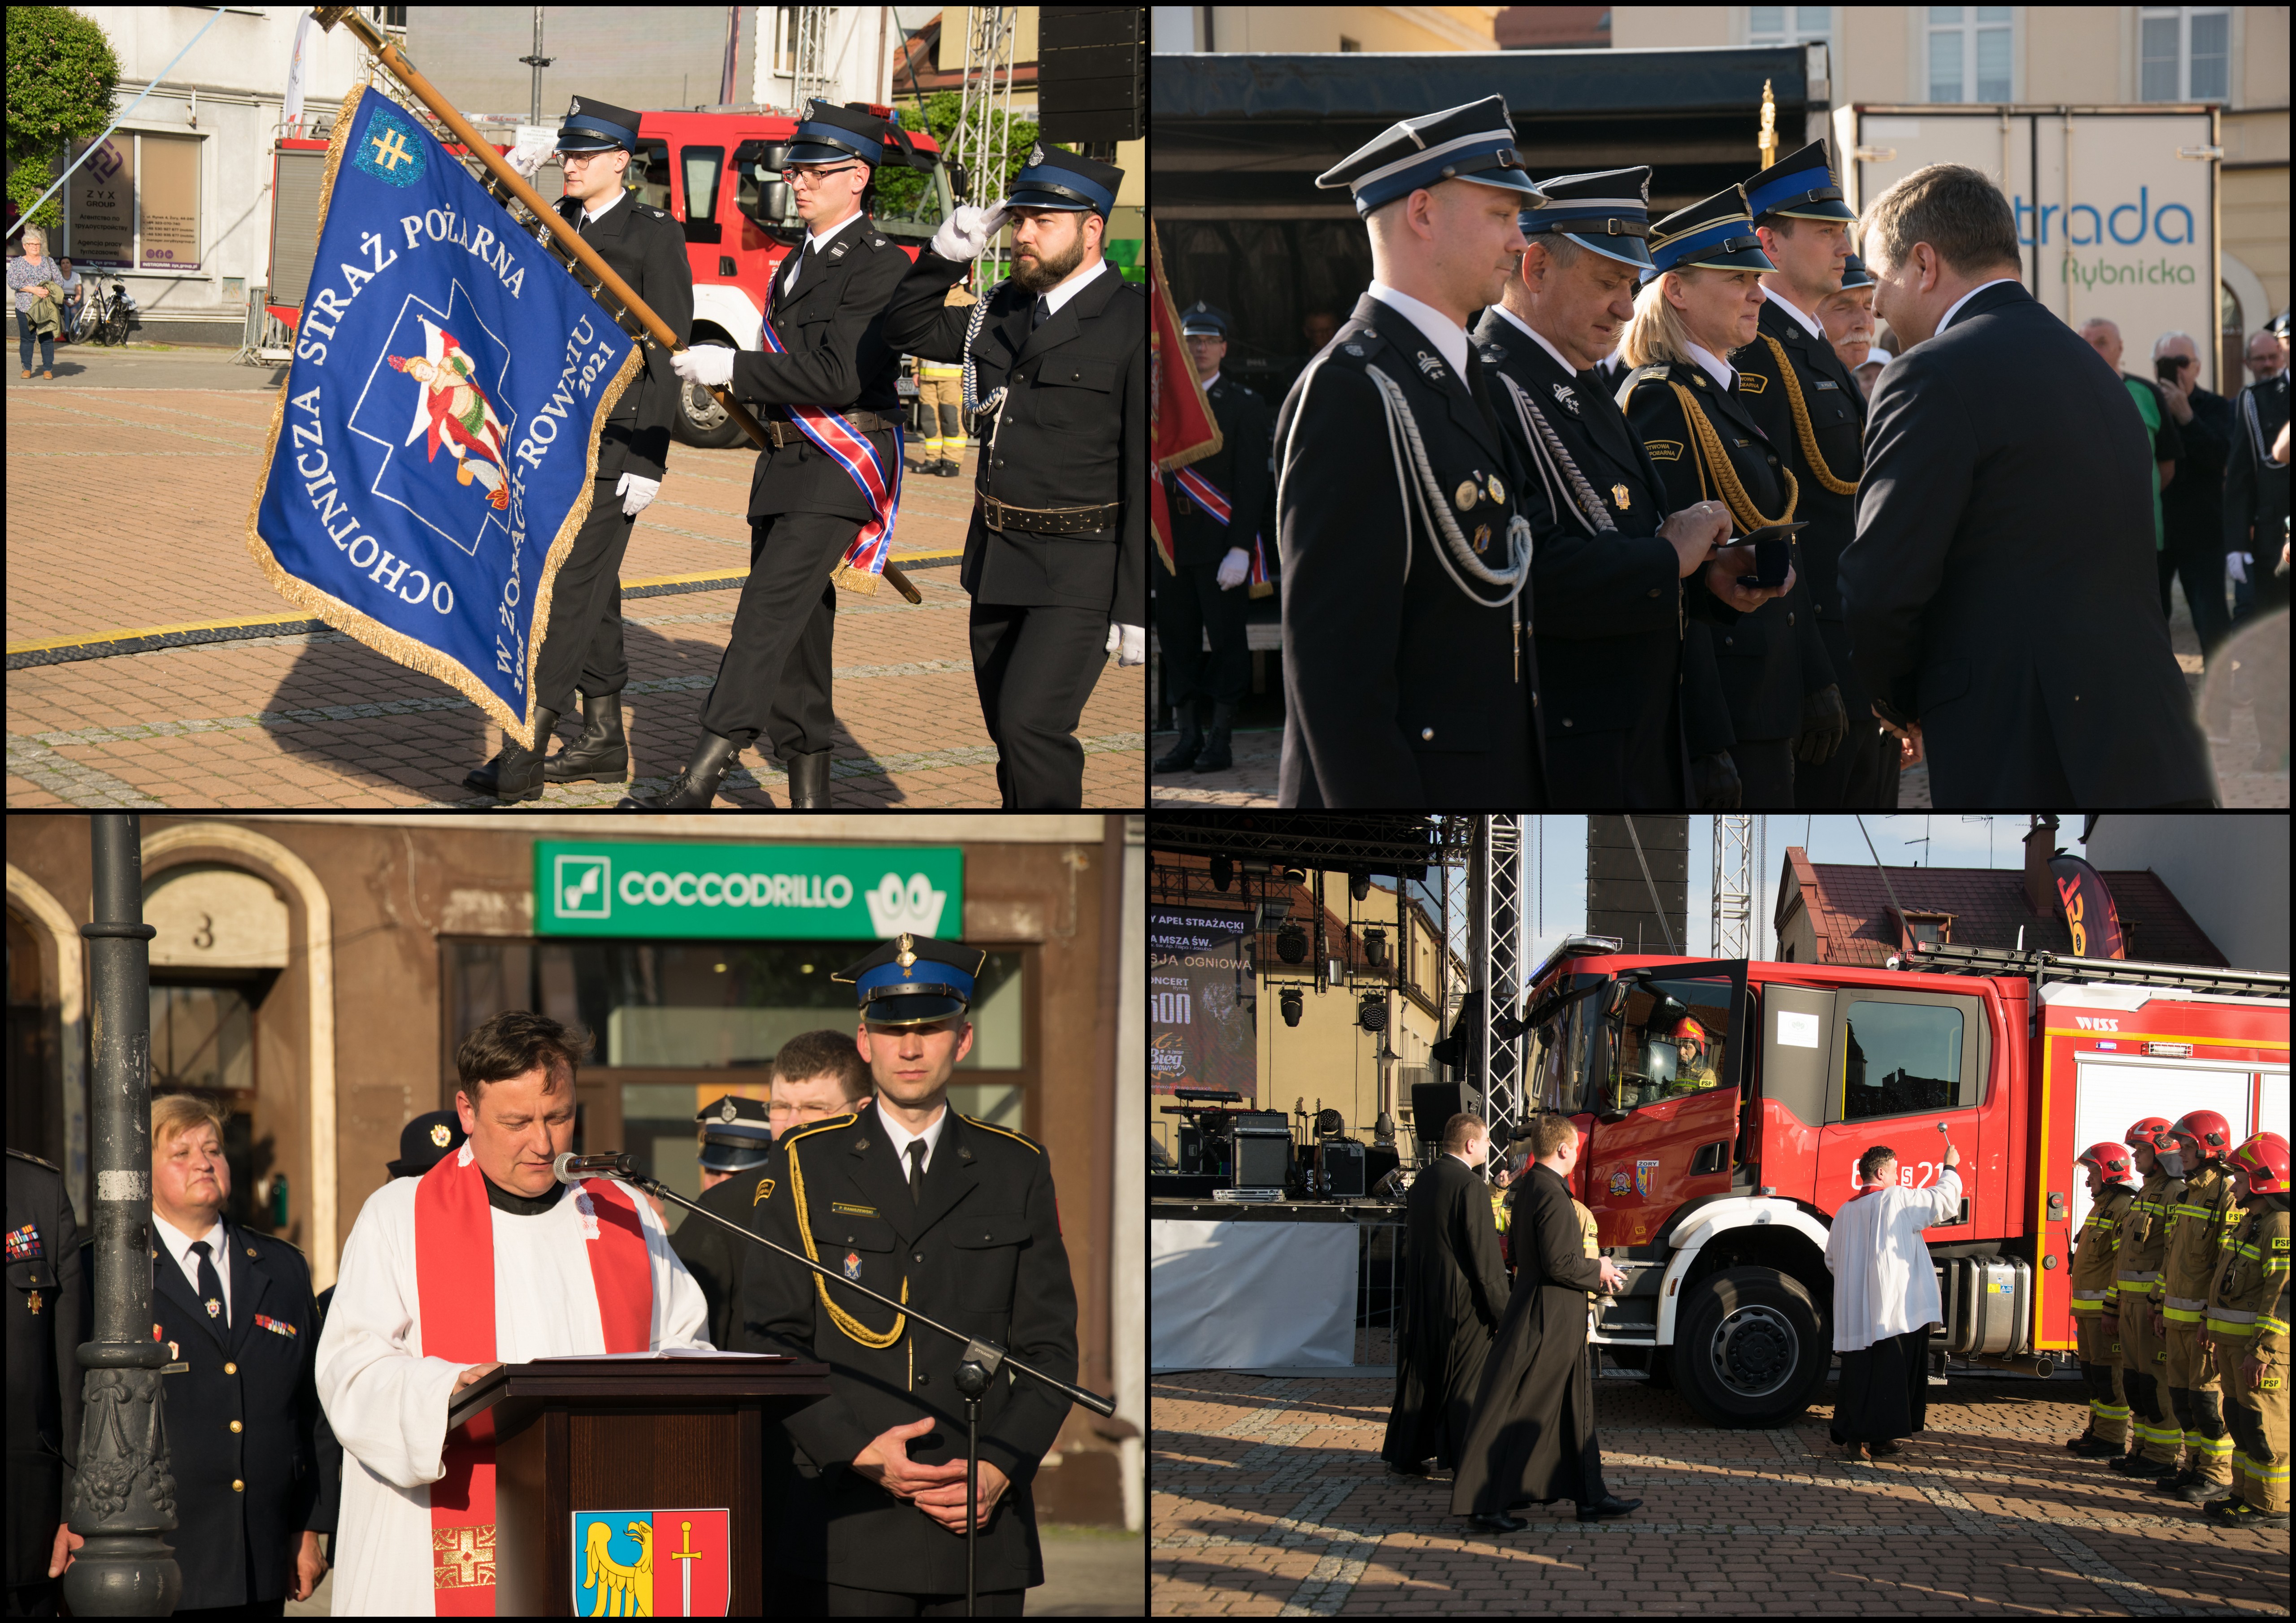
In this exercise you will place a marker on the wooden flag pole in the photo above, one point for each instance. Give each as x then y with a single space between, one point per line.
657 330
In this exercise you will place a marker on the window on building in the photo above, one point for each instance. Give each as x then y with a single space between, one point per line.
2185 52
1899 1057
136 204
202 1039
1789 25
1969 53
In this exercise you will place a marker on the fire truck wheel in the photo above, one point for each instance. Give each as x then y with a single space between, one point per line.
1749 1347
703 421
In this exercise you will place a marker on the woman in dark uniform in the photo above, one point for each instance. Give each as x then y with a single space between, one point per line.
1698 305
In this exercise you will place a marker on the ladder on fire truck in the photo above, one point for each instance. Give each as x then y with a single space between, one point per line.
2043 967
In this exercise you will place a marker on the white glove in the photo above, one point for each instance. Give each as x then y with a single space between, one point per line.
964 234
1234 568
2237 566
527 158
1128 644
711 366
635 493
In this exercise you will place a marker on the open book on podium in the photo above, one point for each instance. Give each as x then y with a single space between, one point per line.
629 1484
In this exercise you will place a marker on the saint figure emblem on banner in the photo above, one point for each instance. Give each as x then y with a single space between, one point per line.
452 412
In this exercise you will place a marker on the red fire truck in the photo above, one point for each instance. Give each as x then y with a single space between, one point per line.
1723 1106
718 173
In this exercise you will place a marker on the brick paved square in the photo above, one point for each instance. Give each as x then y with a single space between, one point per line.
129 479
1267 1498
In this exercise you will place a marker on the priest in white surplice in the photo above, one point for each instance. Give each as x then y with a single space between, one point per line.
484 1259
1885 1298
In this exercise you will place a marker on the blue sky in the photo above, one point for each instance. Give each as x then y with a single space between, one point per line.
1953 841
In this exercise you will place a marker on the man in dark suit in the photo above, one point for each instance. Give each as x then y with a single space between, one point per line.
829 483
1792 383
1455 1294
583 645
234 1308
49 1315
1215 505
1408 677
2256 527
1056 560
957 1217
2192 506
1616 585
2000 593
736 1141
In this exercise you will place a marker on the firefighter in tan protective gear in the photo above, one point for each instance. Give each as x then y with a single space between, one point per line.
2144 1355
940 405
2199 1227
2095 1256
2248 1325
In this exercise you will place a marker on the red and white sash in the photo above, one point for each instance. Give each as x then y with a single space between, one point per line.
1210 497
864 563
455 1272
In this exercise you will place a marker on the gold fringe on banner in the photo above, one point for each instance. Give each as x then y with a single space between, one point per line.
395 645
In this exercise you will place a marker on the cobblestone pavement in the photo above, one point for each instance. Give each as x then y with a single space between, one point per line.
129 479
1269 1496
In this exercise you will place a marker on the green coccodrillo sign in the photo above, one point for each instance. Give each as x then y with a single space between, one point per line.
748 891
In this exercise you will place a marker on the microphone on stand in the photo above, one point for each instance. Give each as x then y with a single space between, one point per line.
569 1167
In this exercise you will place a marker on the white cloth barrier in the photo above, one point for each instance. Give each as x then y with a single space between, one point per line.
1250 1295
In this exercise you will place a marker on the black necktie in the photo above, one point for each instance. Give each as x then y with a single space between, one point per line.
1040 312
210 1285
916 1154
1475 389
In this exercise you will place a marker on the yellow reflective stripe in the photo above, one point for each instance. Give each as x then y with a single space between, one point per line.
2266 1321
2211 1445
2180 1316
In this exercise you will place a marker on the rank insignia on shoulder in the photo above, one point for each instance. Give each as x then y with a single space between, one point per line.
1352 348
1700 382
853 1211
765 1192
23 1243
1432 367
1562 393
853 1266
1493 354
277 1327
837 252
1751 382
1663 450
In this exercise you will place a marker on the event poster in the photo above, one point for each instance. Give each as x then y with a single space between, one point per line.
1201 1001
100 210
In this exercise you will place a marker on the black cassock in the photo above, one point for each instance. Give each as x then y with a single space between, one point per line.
1454 1296
1532 1434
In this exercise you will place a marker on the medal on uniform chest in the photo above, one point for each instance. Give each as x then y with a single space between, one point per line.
213 1306
439 1136
853 1266
1465 495
1498 491
32 1301
1618 494
1482 537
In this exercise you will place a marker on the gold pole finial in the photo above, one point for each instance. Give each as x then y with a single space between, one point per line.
1768 144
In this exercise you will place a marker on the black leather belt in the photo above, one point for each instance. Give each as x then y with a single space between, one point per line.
1002 516
786 433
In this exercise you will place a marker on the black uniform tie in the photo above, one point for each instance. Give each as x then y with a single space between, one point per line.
916 1154
210 1285
1040 312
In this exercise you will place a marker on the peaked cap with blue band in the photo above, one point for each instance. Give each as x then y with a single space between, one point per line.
1607 210
736 1133
1052 178
1471 143
1201 320
1714 234
835 135
592 126
913 980
1801 186
1855 275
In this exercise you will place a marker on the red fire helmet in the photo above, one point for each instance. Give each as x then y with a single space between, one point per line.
2111 1159
2211 1132
2153 1132
2265 1159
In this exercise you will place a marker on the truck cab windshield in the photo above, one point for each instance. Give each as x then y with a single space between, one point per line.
1612 1044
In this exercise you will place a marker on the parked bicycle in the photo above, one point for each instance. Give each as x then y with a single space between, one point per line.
111 308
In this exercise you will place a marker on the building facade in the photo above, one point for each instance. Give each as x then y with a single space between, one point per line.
1323 28
315 974
2230 873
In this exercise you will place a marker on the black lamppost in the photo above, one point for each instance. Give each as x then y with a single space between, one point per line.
122 1496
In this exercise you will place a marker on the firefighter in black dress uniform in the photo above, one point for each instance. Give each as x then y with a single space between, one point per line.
1216 507
1790 381
1408 675
583 645
1617 578
49 1315
1699 307
950 1214
736 1142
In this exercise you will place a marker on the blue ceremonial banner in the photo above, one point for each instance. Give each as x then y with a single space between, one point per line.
432 456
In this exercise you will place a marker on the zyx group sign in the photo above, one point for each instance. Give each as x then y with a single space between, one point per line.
585 887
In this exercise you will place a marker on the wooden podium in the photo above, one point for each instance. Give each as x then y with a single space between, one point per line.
630 1434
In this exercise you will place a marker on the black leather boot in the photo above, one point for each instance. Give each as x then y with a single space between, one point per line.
515 774
696 785
809 781
1216 756
1183 754
601 753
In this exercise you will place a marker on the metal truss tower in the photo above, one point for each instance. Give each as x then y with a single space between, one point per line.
1732 928
980 140
812 78
1495 899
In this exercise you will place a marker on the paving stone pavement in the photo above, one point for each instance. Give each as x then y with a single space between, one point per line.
1269 1497
129 479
